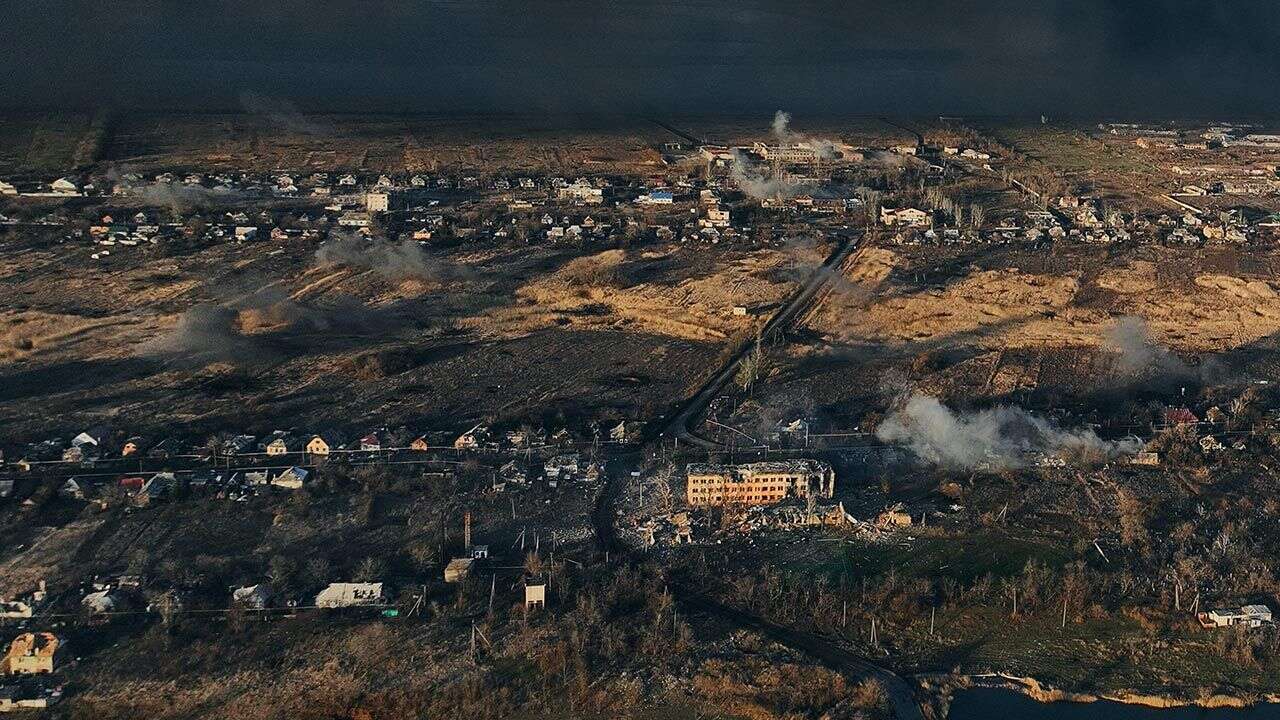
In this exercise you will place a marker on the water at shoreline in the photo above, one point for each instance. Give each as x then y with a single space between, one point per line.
986 704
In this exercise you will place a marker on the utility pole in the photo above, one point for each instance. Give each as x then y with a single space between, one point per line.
493 586
1064 611
873 630
466 530
932 611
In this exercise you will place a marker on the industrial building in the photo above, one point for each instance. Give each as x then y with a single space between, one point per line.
758 483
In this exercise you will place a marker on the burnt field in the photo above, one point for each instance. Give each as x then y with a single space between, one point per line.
263 335
382 143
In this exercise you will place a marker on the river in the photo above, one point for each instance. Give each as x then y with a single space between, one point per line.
988 704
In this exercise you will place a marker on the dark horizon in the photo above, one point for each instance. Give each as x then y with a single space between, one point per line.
564 57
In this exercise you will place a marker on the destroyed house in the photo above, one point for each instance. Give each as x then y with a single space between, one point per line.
758 483
340 595
291 479
238 444
31 654
252 597
1248 616
472 439
458 569
15 610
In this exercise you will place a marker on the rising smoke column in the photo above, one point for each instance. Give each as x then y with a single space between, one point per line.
760 186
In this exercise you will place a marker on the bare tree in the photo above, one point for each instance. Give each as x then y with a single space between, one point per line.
370 570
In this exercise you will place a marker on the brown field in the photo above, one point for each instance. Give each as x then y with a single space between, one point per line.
384 144
518 333
1009 324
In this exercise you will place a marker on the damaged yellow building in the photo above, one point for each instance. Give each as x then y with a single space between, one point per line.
758 483
31 654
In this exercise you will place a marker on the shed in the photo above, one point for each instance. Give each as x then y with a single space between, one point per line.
458 569
535 596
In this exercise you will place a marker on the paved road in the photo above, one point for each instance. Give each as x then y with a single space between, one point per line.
801 300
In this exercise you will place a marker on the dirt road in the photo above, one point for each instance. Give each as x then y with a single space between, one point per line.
800 301
900 693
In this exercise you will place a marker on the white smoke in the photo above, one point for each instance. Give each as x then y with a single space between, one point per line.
781 124
394 261
181 198
1001 437
1137 354
760 186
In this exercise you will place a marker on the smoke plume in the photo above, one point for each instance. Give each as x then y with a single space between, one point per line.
760 186
177 197
393 261
999 437
282 114
781 123
1137 354
181 198
265 327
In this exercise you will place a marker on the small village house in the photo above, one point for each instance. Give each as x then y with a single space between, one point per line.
282 445
323 444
